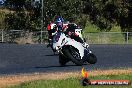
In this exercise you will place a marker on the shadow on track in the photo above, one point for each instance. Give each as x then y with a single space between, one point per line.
59 66
52 55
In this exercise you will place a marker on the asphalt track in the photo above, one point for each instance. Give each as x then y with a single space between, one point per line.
15 59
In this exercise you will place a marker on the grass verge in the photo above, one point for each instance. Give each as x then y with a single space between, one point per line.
68 78
74 82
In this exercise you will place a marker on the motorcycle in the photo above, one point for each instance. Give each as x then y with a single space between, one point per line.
71 50
76 31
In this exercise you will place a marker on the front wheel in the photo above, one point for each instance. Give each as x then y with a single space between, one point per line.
62 59
74 55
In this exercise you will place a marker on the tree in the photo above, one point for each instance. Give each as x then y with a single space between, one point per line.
106 13
68 9
25 16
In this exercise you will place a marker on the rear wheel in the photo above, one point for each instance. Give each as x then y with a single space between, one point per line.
92 59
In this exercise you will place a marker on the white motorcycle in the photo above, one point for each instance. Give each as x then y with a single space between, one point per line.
71 50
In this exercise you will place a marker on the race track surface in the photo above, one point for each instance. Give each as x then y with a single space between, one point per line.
16 59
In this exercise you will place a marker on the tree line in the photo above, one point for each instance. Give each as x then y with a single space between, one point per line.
103 13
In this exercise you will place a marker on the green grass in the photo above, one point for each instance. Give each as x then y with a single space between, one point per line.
105 38
74 83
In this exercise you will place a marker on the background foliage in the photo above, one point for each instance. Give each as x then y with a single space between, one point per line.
104 14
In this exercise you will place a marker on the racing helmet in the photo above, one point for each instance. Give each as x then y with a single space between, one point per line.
59 21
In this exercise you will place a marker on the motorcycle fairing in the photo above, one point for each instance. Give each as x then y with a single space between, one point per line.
63 40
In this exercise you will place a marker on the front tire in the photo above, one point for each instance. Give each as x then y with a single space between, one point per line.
62 60
69 51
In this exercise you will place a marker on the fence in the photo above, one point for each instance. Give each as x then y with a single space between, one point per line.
26 37
109 38
23 37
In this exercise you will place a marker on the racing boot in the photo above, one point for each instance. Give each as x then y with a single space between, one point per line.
50 43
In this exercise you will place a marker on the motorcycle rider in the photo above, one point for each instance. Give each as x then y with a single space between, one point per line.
54 27
71 32
67 28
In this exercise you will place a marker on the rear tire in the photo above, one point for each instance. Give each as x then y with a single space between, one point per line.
92 59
